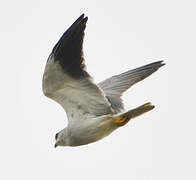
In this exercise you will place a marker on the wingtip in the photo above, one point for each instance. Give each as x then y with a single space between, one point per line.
149 105
158 64
161 62
85 19
82 18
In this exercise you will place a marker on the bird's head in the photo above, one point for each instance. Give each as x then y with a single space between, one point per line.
61 138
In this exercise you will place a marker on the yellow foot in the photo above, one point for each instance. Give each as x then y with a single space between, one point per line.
121 121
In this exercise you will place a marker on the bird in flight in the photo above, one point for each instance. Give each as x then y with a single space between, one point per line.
93 110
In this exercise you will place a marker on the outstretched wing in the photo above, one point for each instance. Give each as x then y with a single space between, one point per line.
66 80
115 86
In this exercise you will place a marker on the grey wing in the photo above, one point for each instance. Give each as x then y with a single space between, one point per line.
66 80
115 86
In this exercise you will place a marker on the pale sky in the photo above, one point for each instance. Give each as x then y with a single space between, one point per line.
120 35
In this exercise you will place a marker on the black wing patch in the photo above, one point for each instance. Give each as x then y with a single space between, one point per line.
68 51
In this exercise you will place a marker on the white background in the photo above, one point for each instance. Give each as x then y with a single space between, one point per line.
120 35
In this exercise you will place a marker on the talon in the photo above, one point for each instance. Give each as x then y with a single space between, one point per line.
121 120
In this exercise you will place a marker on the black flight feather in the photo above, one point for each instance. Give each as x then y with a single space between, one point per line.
68 51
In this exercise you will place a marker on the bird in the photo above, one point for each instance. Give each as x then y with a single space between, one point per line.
93 110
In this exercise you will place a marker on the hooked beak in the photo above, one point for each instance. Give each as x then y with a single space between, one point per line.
55 145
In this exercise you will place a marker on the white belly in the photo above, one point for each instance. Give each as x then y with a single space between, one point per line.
90 130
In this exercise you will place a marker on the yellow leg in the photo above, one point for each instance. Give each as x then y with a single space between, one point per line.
121 120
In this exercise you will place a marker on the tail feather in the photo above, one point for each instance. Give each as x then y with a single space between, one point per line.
122 119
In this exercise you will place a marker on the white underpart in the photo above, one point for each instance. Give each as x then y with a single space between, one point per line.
80 98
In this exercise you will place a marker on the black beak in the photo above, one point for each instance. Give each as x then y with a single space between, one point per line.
55 145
